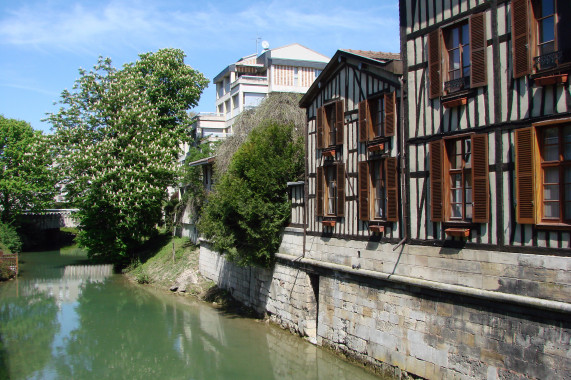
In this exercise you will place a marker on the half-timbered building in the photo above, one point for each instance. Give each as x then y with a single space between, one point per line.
352 150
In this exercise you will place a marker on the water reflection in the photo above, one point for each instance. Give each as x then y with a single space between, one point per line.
67 320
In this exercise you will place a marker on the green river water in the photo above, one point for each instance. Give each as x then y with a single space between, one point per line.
65 319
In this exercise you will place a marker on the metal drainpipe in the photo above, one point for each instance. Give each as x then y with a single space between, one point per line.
402 167
305 186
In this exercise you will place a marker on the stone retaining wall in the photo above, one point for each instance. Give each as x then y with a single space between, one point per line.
421 330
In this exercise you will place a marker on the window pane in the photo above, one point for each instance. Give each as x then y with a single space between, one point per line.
453 38
552 210
546 30
456 211
465 34
551 175
567 210
551 144
547 48
547 8
551 192
469 211
456 195
455 59
468 196
467 153
456 180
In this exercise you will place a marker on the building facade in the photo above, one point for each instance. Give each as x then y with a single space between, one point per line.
432 233
245 83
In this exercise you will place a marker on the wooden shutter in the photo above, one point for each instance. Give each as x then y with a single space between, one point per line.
339 121
390 114
436 185
340 189
319 192
319 128
364 119
525 213
520 38
392 189
480 179
478 45
364 191
434 64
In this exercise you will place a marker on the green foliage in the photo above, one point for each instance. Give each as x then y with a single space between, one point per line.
118 135
9 239
193 191
5 272
26 176
245 214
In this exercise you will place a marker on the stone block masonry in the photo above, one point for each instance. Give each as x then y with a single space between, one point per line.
430 327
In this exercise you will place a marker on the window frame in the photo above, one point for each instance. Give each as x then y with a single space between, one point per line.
440 204
330 130
389 168
437 53
525 39
530 175
322 190
388 117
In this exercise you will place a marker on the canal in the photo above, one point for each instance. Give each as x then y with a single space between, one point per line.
65 319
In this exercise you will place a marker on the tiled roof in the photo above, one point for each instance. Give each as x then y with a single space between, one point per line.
378 55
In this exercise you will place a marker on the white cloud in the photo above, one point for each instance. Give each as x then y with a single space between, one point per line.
127 23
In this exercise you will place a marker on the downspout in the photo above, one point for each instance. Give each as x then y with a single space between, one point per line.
305 185
402 167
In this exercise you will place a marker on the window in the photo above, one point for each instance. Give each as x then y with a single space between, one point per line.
457 56
330 190
378 190
457 50
377 117
538 29
330 123
460 177
459 183
543 154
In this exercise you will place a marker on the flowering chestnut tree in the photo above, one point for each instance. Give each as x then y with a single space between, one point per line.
118 134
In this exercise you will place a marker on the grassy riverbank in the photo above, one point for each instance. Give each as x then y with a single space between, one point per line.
180 274
169 263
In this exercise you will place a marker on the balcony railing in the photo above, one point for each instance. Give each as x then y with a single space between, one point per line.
457 84
548 61
250 79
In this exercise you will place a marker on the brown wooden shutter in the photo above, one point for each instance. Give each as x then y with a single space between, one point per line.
392 189
390 114
525 213
319 128
520 38
436 185
339 121
434 64
364 120
340 189
364 190
478 44
480 179
319 192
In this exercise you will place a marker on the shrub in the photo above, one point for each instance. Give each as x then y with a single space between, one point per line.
9 238
244 215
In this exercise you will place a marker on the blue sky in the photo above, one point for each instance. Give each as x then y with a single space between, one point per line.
43 43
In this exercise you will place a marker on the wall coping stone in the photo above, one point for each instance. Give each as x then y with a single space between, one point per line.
562 307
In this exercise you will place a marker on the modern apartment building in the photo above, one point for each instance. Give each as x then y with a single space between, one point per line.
245 83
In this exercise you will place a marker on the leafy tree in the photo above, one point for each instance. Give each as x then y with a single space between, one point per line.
244 215
26 176
118 134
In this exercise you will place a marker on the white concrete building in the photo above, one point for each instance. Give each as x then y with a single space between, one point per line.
245 83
